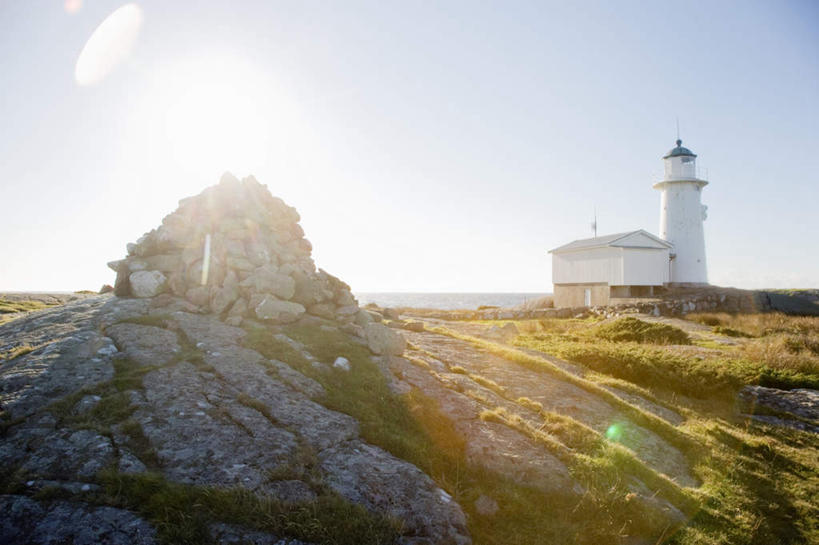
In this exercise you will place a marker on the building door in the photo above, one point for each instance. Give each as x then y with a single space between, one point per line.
587 297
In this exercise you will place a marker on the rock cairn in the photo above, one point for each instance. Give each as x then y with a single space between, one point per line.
237 251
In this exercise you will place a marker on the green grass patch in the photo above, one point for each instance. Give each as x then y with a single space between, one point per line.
11 307
156 320
181 513
761 485
730 332
17 351
635 330
114 405
687 374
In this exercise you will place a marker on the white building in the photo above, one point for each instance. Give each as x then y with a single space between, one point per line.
593 271
681 216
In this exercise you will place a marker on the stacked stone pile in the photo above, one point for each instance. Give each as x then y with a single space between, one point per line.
237 251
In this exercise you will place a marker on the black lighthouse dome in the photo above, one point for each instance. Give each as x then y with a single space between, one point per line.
679 151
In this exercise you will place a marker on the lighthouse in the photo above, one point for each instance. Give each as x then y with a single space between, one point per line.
681 217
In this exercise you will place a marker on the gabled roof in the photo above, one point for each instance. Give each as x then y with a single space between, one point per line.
615 240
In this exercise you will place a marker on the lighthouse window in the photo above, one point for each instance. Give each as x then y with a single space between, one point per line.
687 159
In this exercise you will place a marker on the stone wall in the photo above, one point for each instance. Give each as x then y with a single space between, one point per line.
676 303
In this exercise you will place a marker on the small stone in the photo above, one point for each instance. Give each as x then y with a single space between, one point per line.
414 326
342 363
486 506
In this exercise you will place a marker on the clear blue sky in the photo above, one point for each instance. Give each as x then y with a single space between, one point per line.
429 146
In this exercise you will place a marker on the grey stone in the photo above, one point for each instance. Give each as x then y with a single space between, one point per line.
323 310
342 363
28 521
145 345
384 341
147 283
371 477
278 311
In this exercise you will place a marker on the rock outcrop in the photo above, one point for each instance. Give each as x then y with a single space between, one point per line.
101 391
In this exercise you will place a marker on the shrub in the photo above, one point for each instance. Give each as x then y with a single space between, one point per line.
635 330
730 332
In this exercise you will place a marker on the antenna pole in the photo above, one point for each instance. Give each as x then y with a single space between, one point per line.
678 128
594 223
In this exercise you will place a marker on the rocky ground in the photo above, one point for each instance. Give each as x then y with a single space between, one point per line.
209 412
128 387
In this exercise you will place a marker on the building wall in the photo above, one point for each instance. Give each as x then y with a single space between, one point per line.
681 223
645 266
573 295
594 266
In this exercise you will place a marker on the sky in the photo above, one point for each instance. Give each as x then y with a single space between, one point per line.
428 146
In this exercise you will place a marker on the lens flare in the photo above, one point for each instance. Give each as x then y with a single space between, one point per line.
614 432
73 6
109 45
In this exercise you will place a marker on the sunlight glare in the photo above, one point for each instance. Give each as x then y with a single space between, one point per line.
73 6
219 112
109 45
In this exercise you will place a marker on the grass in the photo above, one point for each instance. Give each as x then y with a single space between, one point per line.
17 351
567 438
412 427
785 354
635 330
10 307
691 374
182 513
776 340
114 405
760 483
730 332
640 417
10 310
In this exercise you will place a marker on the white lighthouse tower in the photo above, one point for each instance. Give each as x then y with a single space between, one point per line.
681 216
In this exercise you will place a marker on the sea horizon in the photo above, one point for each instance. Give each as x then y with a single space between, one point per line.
447 300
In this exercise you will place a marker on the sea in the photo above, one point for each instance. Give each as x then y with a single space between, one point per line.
446 301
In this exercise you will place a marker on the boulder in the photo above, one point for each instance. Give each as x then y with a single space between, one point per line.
384 341
278 311
268 279
323 310
147 283
391 314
